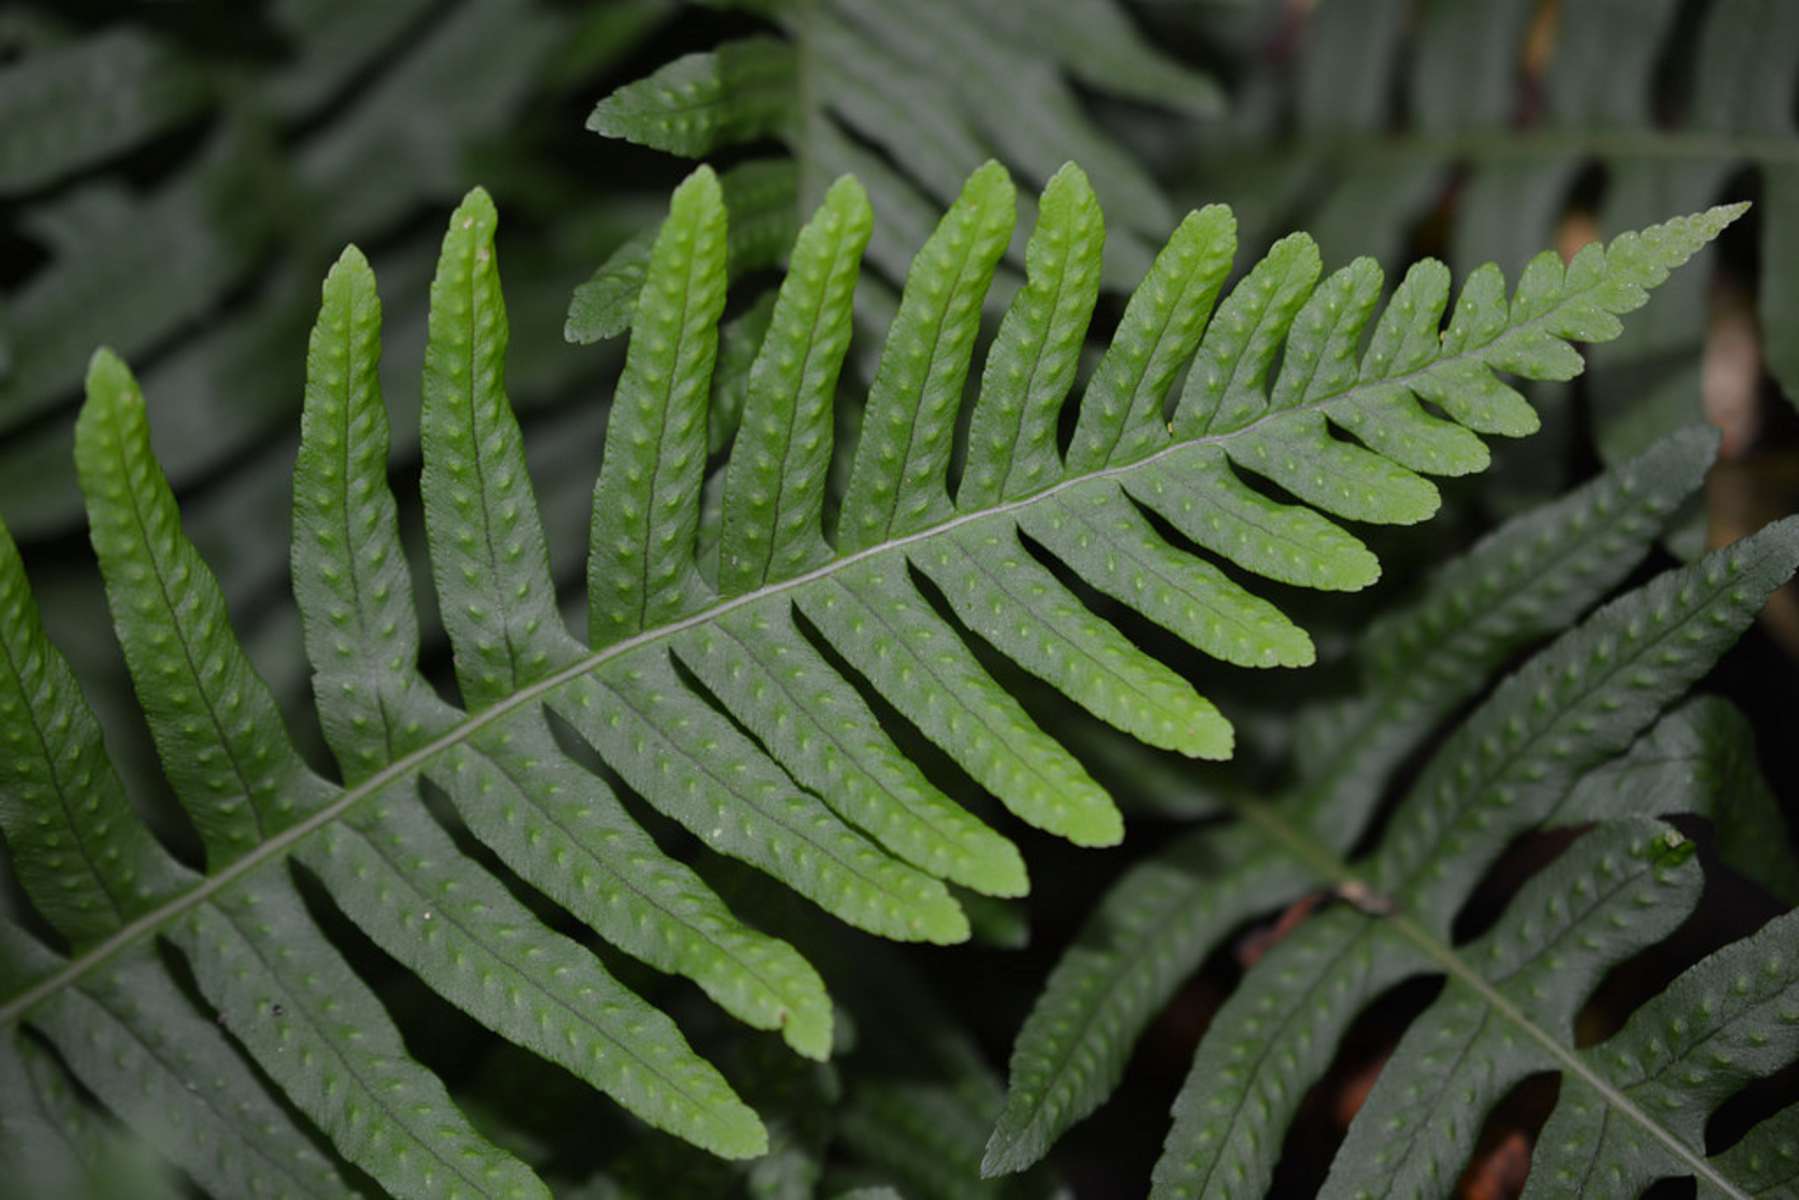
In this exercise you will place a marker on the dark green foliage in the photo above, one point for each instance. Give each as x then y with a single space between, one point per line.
1552 746
781 802
897 525
937 86
1662 103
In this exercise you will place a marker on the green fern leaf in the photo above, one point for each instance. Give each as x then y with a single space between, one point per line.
54 1145
897 485
925 87
1601 108
131 1035
1616 892
715 706
1150 931
1166 915
636 573
1724 1022
79 849
1157 925
1700 758
318 1028
557 827
1502 771
56 123
1526 580
1031 364
773 499
742 91
205 264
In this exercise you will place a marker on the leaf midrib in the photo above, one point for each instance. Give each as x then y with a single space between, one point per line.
160 572
1571 928
402 768
1411 876
1569 1060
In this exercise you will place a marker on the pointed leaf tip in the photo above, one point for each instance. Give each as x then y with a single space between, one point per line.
352 259
1070 189
103 359
349 275
810 1034
847 190
742 1134
700 186
476 211
990 179
109 379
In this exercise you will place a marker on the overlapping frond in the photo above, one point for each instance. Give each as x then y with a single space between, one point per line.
938 87
1517 115
732 699
1552 747
230 254
55 1145
166 180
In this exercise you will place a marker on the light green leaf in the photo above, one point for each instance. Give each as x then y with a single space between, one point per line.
897 485
641 569
1030 367
773 504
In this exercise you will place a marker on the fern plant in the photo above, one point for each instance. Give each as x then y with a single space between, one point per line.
909 100
1571 740
1510 112
164 171
904 1102
702 685
227 226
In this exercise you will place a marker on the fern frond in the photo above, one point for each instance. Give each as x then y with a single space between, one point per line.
84 101
1508 1008
924 85
1160 921
1600 107
1529 579
1700 759
1499 773
334 110
51 1144
1726 1021
714 705
1617 891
